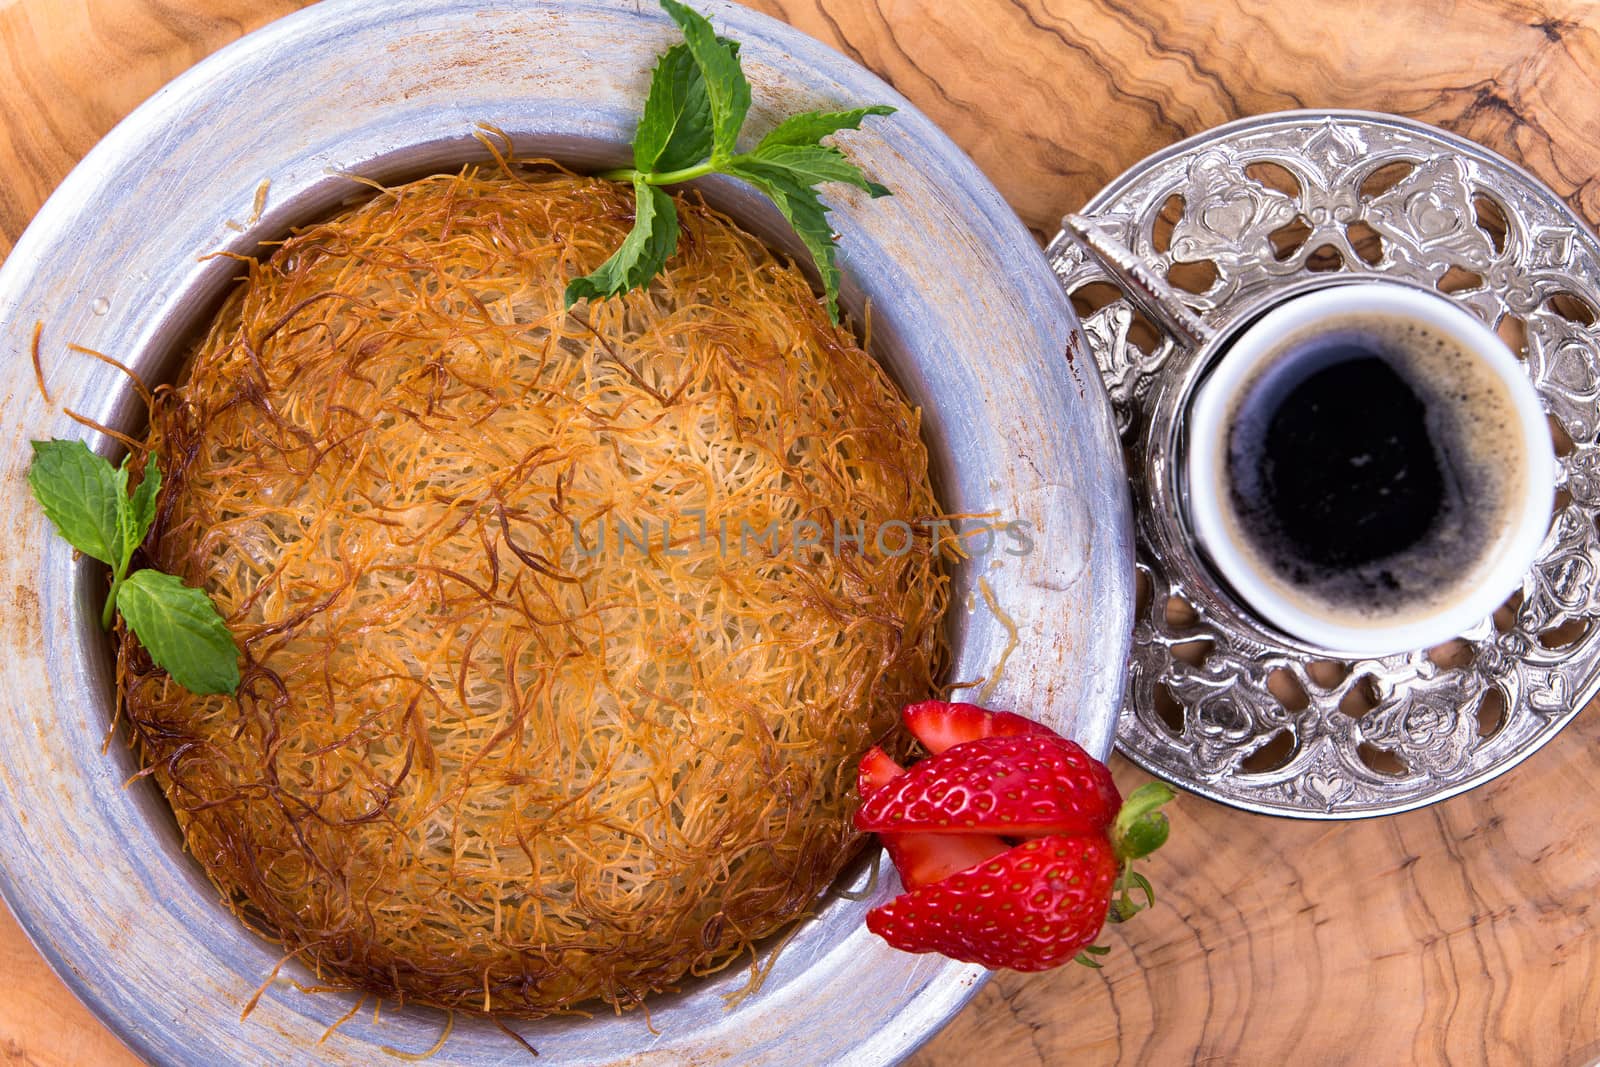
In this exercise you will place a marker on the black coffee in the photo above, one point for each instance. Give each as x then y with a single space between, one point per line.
1366 463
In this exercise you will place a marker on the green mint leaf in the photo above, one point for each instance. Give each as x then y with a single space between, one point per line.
79 492
811 127
675 130
180 627
136 514
803 208
141 508
119 565
87 501
643 252
698 101
727 91
814 164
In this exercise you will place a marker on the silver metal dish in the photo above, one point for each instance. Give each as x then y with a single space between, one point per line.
966 315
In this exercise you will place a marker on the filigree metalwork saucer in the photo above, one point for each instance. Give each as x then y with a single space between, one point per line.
1238 218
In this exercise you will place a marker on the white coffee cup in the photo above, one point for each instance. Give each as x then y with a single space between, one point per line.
1523 458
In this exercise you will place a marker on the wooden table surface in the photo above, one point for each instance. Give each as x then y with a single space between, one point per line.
1460 934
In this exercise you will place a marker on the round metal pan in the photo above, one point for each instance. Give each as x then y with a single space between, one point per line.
966 315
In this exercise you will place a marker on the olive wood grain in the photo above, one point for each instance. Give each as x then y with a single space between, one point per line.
1459 934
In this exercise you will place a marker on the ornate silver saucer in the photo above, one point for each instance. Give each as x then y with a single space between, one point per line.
1240 217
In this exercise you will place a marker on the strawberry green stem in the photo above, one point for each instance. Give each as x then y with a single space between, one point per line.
1138 830
1140 826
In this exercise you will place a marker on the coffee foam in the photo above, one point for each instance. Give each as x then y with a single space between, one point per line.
1469 413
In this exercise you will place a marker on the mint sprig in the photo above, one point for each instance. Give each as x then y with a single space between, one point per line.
643 251
88 502
697 105
180 627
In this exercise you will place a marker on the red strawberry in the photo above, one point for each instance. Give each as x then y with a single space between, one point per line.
1018 786
939 724
923 859
877 769
1030 909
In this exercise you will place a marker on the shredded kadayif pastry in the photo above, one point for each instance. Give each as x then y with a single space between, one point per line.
489 753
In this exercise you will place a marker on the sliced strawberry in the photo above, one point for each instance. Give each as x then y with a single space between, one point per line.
1030 909
922 859
939 724
876 770
1017 786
